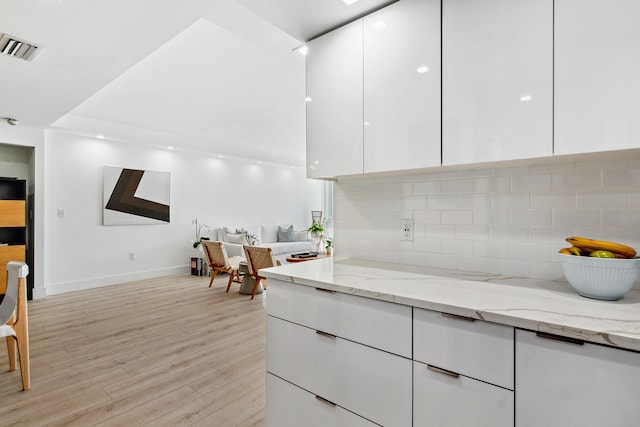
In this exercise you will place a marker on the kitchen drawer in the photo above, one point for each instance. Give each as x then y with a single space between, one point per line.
476 349
371 383
441 399
379 324
291 406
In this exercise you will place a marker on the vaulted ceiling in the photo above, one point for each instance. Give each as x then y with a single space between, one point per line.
209 76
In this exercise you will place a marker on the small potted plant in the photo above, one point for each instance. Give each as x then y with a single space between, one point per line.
329 245
316 231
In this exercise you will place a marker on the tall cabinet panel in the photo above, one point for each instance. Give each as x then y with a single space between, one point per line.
596 75
12 224
497 80
402 86
334 112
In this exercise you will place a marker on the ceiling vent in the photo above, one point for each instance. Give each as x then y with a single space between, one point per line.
17 48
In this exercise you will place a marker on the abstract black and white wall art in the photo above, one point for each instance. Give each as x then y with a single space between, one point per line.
133 196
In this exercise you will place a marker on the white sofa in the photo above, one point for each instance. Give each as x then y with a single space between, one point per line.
265 235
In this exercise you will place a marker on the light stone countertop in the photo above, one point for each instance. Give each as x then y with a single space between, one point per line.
537 305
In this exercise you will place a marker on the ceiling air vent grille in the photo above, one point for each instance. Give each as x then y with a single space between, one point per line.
17 48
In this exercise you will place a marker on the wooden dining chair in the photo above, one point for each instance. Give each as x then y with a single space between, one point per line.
14 324
257 258
216 256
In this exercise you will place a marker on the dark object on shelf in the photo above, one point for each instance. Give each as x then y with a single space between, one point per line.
305 255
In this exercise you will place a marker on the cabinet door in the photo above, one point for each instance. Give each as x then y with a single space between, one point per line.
334 113
444 399
369 382
497 80
402 86
596 75
473 348
291 406
371 322
571 385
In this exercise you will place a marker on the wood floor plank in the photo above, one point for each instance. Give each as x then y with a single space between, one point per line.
166 351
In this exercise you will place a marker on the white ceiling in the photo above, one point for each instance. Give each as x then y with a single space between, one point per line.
213 76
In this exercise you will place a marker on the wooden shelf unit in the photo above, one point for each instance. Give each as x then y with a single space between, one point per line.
13 231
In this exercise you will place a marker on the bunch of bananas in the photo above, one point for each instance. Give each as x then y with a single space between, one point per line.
582 246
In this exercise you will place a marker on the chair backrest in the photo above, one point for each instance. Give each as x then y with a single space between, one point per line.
15 270
216 253
259 257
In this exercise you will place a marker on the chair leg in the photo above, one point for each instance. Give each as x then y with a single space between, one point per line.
21 326
255 287
214 272
11 348
230 280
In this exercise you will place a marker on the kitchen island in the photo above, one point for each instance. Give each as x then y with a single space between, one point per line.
445 348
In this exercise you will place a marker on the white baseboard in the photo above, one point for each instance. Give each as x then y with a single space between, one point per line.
60 288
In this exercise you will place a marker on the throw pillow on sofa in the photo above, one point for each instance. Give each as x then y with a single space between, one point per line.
252 237
302 236
286 234
240 238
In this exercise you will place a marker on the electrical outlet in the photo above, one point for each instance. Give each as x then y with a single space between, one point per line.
406 230
132 256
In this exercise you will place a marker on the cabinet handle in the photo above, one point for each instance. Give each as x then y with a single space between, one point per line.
458 317
325 401
442 371
548 336
325 290
326 334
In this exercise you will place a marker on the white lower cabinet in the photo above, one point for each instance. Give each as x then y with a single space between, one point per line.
366 381
566 384
291 406
441 398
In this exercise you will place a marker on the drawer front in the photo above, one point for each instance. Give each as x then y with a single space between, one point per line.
291 406
476 349
371 383
375 323
567 384
443 400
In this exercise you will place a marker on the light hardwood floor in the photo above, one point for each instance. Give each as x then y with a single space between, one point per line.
161 352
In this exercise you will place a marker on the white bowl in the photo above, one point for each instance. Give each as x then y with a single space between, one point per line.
600 278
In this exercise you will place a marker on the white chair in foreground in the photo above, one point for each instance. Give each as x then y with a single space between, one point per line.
14 324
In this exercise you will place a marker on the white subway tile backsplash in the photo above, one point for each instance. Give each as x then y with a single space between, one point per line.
493 184
452 186
442 201
533 217
457 217
577 180
457 247
556 199
491 216
474 201
540 182
576 217
510 200
426 187
509 220
602 198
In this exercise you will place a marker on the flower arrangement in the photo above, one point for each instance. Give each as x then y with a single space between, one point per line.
199 228
316 228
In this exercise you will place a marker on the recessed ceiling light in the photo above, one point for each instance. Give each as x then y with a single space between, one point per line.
422 69
366 123
349 2
379 25
308 99
169 148
526 98
259 162
100 136
220 156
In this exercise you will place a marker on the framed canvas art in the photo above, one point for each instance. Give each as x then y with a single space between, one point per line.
133 196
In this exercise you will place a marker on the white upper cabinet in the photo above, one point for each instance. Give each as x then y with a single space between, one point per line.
402 86
596 75
334 113
497 80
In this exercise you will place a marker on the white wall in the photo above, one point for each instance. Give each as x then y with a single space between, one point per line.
509 219
82 253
